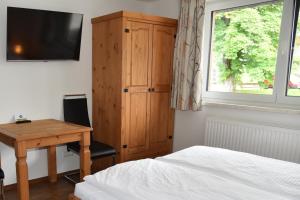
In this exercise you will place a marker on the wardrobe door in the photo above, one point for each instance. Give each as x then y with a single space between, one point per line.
138 71
163 50
139 54
137 122
161 122
161 115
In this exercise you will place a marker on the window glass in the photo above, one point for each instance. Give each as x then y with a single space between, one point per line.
294 79
244 48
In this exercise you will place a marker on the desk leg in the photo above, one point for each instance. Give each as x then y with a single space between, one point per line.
85 155
22 171
52 169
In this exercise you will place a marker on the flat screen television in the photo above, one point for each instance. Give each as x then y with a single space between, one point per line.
40 35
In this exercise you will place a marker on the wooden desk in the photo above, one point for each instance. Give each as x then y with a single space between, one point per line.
44 133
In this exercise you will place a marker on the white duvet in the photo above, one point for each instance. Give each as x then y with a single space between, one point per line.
197 173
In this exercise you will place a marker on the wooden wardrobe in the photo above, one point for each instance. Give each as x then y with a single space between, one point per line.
132 76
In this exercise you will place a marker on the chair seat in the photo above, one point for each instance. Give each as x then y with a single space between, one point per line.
1 174
97 149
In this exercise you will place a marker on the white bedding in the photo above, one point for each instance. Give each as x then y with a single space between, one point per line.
197 173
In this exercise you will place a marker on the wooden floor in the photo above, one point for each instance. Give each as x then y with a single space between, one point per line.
46 191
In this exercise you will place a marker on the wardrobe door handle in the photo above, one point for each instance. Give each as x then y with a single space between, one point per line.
124 146
170 137
151 89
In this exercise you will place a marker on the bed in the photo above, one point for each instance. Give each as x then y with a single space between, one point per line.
196 173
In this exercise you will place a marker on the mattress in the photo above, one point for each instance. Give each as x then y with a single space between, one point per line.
196 173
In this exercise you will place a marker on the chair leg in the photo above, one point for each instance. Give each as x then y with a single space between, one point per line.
2 190
70 177
113 160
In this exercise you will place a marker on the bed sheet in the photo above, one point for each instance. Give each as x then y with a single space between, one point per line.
198 173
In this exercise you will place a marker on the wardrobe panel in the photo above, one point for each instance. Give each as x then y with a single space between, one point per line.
163 49
140 48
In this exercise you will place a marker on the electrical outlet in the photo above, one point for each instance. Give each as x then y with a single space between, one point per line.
19 117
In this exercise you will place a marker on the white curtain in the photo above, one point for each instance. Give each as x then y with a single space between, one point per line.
187 87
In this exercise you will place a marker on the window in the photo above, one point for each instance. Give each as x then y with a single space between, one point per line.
244 49
294 75
254 51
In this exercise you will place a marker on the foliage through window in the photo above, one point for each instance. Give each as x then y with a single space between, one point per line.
244 47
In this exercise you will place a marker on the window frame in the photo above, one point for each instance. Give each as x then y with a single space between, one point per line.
287 54
278 98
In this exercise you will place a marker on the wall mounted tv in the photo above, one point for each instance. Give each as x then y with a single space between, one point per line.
39 35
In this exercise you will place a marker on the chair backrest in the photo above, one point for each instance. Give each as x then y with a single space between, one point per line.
76 111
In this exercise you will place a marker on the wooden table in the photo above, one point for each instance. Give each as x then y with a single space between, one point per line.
44 133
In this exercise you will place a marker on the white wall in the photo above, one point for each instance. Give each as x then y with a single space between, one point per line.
36 88
165 8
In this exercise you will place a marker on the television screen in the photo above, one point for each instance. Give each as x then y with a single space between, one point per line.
43 35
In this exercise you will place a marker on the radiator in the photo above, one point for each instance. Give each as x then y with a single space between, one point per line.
268 141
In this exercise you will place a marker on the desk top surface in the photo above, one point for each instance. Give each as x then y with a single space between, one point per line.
38 129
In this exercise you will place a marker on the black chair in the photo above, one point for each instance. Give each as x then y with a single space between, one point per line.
75 111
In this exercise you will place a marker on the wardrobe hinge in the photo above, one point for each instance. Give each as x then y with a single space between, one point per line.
175 35
127 30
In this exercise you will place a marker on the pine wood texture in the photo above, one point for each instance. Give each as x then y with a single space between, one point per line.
43 133
136 16
163 49
85 155
137 123
139 45
132 76
107 77
107 85
52 168
159 124
22 170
